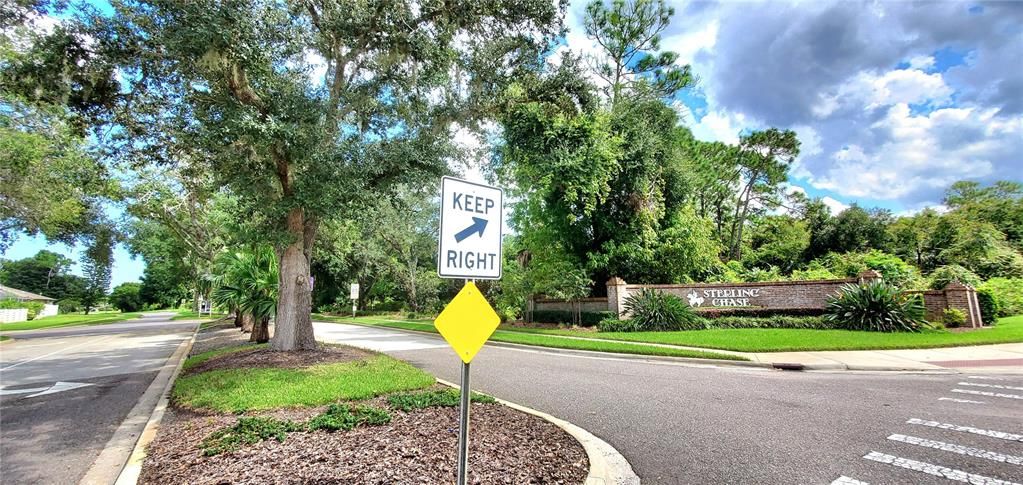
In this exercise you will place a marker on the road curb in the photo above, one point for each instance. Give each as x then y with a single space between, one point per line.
120 461
607 465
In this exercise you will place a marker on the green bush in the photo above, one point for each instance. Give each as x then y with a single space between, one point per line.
953 318
408 401
989 306
33 307
343 417
616 325
588 319
69 305
875 307
653 310
9 304
941 277
712 313
775 321
247 431
127 297
1009 294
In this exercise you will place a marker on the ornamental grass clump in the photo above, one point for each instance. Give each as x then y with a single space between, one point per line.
653 310
875 307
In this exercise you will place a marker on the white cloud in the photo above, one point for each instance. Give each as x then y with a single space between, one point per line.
834 206
923 152
869 90
922 63
714 126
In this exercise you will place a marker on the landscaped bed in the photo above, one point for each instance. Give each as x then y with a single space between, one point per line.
243 414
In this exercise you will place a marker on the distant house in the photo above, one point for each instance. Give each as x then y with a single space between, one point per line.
20 315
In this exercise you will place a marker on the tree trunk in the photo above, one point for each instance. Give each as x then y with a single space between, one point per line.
238 318
260 331
294 329
248 321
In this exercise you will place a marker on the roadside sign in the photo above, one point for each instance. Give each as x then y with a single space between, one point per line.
355 291
471 222
467 322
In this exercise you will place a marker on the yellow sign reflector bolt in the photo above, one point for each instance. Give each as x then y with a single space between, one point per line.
467 322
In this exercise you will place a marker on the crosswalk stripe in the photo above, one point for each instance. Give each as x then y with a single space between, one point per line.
965 401
986 393
968 429
993 386
954 448
936 470
844 480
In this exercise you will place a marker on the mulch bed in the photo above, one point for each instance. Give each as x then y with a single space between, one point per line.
505 446
325 354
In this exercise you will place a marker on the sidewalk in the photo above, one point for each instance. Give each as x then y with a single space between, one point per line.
982 358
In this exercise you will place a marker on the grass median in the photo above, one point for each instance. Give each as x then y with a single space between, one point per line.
67 320
541 340
245 389
1007 330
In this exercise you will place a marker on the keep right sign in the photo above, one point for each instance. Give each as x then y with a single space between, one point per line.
471 222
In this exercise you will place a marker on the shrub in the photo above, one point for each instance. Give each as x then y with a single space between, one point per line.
944 275
653 310
616 325
408 401
776 321
34 307
343 417
588 319
1008 292
712 313
876 307
69 305
953 318
989 306
9 304
247 431
127 297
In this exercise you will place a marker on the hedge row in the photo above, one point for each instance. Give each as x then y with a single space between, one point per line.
589 319
774 321
758 312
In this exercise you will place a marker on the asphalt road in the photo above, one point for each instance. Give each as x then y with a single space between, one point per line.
66 390
695 424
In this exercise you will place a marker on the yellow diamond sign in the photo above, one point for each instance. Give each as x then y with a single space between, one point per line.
467 322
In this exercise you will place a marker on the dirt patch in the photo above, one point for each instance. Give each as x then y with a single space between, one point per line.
262 358
506 446
218 335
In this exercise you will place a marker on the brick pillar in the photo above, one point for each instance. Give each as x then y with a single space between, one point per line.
616 294
964 298
869 276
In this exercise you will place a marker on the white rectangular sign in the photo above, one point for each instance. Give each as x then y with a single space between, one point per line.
355 291
471 222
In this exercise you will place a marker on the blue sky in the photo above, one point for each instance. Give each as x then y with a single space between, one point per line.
893 101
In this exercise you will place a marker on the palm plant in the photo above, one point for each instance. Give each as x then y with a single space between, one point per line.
877 307
248 282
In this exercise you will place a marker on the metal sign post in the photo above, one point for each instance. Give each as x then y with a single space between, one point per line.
471 223
463 428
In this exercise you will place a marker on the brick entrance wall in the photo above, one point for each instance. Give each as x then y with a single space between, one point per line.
776 295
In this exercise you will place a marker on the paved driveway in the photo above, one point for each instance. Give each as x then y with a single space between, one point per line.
678 423
64 391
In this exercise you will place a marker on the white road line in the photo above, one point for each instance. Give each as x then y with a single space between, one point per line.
989 394
993 386
936 470
989 378
968 429
844 480
55 352
954 448
965 401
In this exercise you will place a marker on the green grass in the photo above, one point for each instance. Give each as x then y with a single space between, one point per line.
1007 330
4 337
408 401
69 319
203 357
235 390
543 340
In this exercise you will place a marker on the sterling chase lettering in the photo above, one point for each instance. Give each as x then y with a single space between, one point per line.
724 297
470 233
